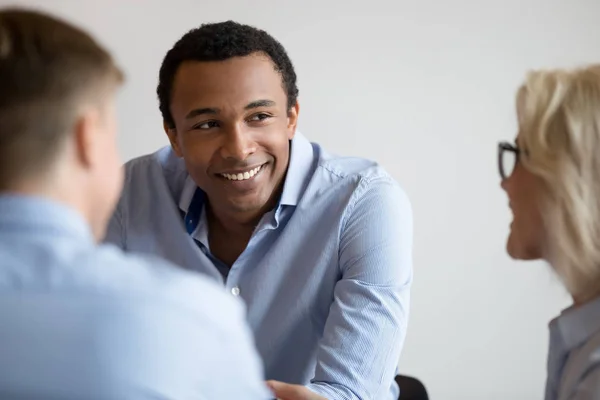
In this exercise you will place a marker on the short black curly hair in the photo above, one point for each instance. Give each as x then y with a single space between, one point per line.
219 42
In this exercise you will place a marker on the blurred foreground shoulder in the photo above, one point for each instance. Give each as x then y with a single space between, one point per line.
182 332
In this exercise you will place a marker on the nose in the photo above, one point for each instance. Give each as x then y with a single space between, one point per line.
504 184
238 144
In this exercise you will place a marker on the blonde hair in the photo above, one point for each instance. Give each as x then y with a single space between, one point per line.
559 120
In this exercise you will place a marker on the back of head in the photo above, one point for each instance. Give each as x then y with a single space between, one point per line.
51 72
559 118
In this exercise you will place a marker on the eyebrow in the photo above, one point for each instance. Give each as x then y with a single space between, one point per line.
212 111
260 103
201 111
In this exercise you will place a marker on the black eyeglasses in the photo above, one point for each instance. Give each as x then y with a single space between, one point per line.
508 156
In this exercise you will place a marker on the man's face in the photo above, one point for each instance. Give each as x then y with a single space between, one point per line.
232 128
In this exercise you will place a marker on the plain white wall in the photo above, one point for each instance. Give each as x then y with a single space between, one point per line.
426 88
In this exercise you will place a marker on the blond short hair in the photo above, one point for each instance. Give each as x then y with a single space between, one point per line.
559 121
48 69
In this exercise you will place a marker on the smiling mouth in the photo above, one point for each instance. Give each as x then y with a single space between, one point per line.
243 176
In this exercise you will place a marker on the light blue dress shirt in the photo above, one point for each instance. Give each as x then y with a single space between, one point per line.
81 321
326 274
574 355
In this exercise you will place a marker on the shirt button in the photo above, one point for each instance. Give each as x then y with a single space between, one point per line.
235 291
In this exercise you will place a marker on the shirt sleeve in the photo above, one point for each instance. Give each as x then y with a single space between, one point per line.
364 333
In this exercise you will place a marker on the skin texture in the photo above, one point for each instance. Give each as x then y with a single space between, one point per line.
286 391
232 117
87 174
523 189
105 173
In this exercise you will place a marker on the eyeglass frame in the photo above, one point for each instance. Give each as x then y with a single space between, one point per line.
502 147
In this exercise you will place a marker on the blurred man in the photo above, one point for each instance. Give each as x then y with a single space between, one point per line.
81 321
318 246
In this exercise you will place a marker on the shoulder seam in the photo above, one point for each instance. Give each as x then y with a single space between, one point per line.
322 164
358 192
363 185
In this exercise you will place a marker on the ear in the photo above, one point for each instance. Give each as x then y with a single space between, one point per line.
293 120
172 134
87 137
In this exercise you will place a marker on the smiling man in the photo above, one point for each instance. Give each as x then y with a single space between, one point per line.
79 320
317 246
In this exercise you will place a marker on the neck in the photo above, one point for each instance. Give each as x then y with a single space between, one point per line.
232 224
55 189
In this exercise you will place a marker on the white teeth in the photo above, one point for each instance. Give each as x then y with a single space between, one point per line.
242 176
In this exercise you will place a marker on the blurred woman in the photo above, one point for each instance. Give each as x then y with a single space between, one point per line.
551 175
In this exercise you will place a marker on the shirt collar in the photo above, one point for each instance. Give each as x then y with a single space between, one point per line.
297 177
40 214
577 324
298 173
189 188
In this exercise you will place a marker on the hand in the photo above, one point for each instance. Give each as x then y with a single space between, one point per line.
286 391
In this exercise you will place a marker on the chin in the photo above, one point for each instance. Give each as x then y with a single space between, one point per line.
246 205
512 252
518 250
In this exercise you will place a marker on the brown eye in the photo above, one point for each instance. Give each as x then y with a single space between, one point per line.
259 117
206 125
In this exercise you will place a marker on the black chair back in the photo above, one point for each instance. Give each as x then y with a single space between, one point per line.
411 388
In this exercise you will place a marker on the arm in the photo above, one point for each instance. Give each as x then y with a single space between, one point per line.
366 327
